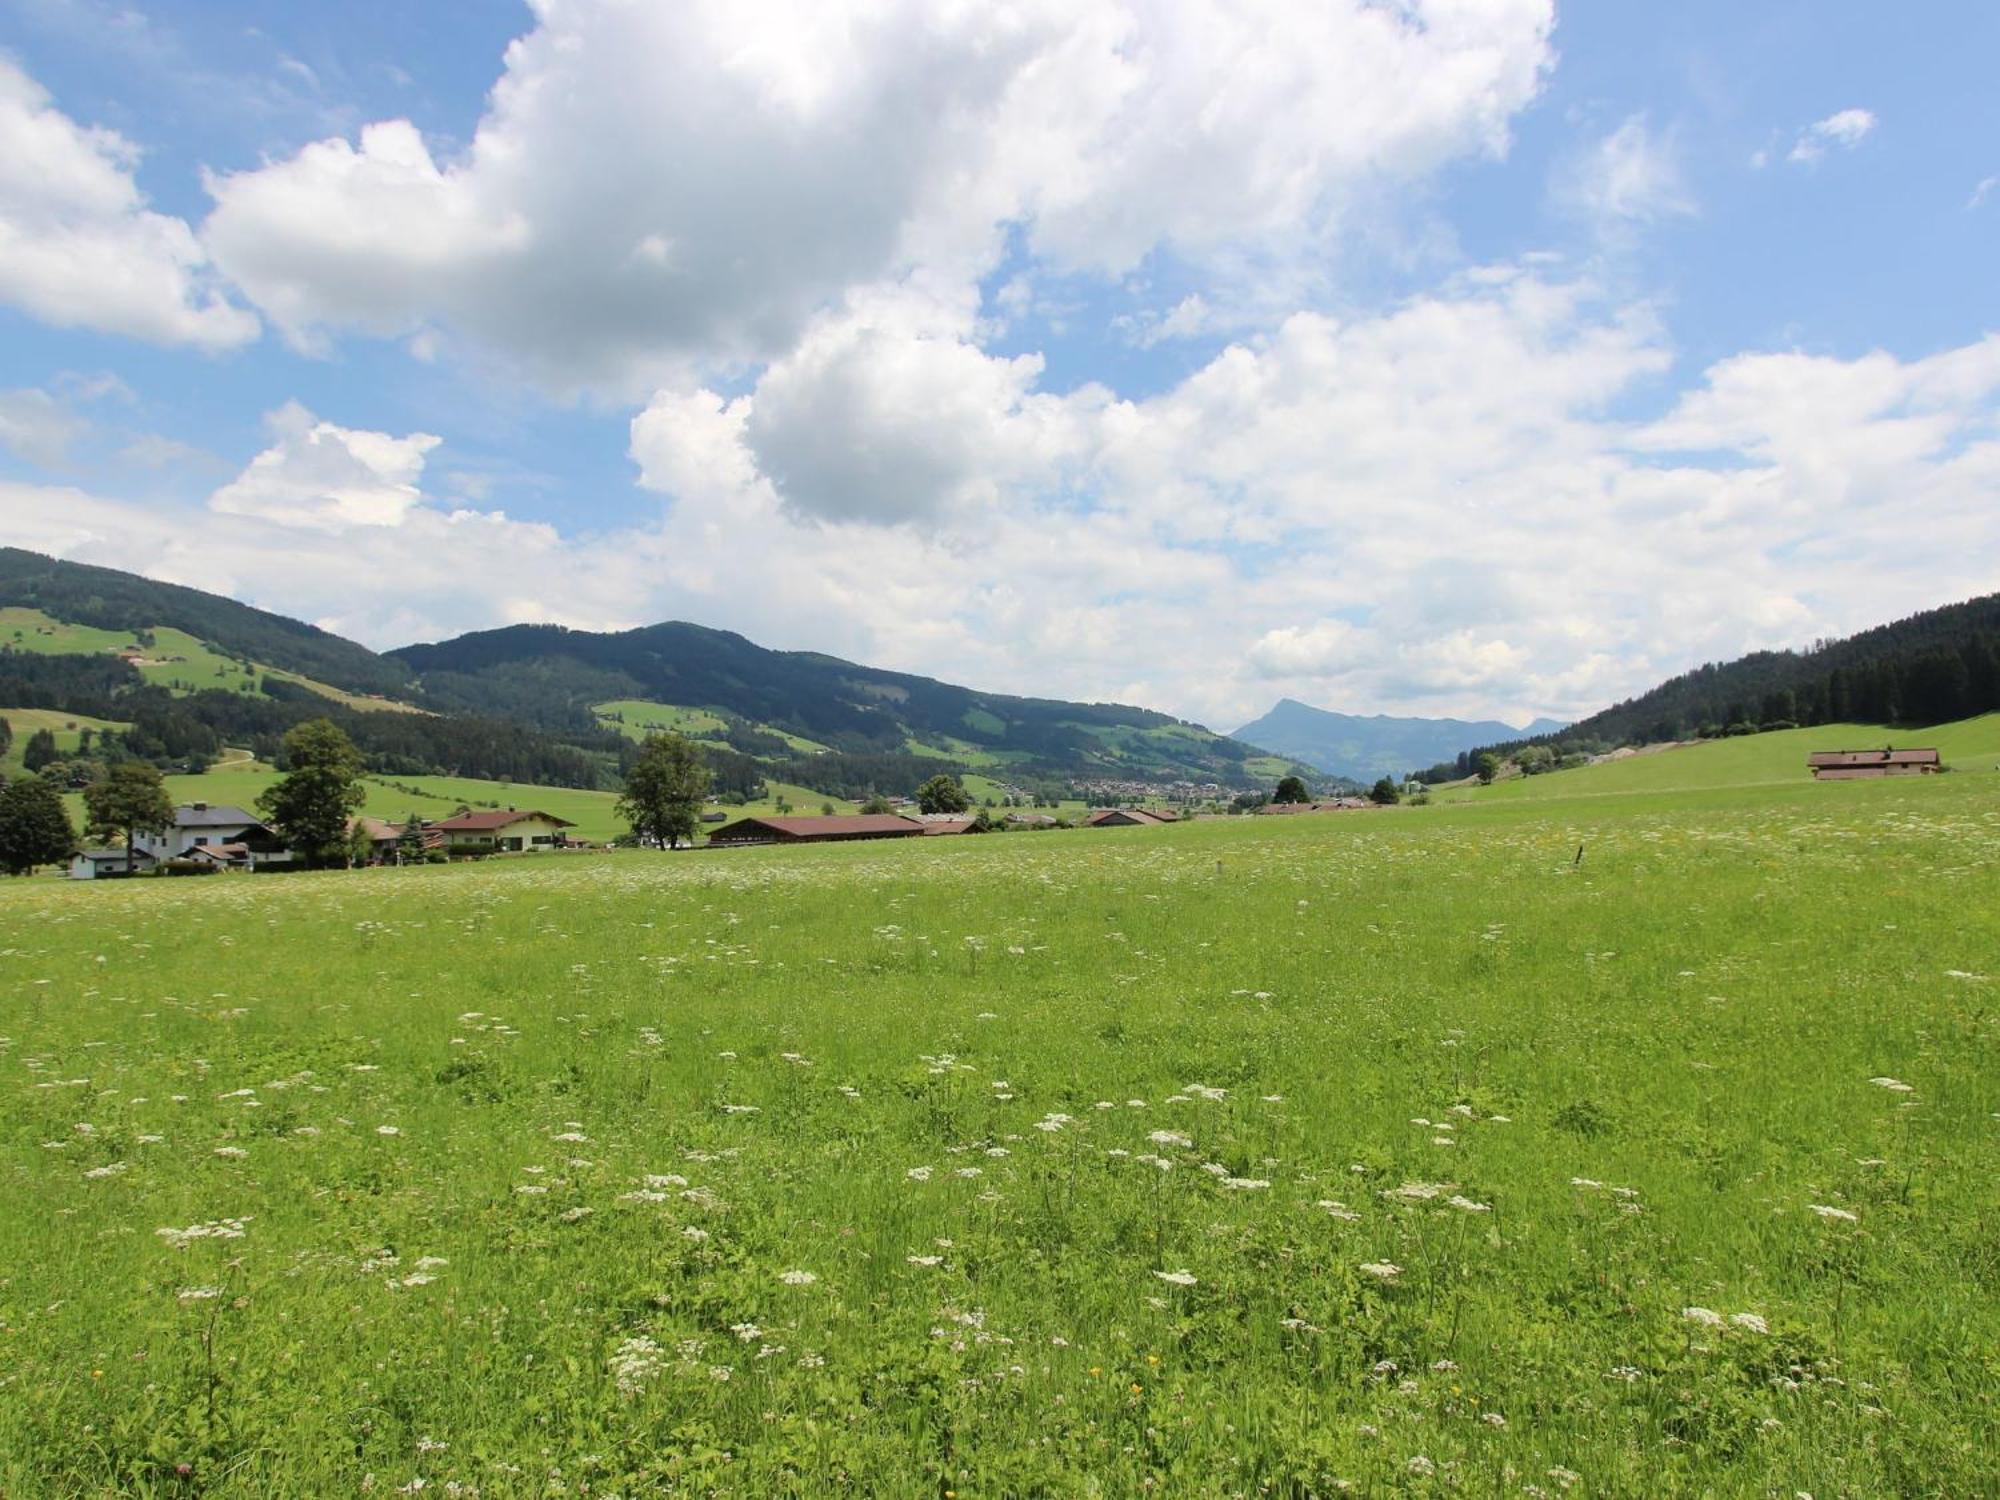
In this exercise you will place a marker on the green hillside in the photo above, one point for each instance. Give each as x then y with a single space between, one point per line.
557 677
67 729
1934 667
193 672
1774 759
166 658
120 603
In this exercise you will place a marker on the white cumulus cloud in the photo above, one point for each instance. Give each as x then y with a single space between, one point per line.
79 248
659 190
328 478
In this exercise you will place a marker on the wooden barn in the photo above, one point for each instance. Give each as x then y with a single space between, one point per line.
1856 765
818 830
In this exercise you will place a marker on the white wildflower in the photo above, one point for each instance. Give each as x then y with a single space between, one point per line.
919 1174
1706 1317
797 1278
1828 1211
1382 1270
635 1362
1751 1322
1176 1278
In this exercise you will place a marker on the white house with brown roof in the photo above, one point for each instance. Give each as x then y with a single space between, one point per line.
505 831
199 827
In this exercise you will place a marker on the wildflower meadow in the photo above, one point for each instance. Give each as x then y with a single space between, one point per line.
1628 1146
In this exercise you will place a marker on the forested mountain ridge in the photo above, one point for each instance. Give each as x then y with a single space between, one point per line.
555 676
112 600
1932 667
536 704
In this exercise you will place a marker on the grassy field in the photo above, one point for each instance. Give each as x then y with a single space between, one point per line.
1245 1157
635 718
173 660
67 728
1774 759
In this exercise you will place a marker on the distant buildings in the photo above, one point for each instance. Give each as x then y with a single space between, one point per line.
1126 817
507 831
1857 765
219 836
820 830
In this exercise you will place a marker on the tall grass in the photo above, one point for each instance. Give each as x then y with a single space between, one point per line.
1259 1157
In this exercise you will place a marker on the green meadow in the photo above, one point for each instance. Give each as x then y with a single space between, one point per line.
1609 1145
1772 760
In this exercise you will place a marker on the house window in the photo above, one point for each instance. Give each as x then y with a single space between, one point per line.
542 838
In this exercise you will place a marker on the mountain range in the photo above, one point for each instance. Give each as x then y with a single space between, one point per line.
566 707
190 672
1364 747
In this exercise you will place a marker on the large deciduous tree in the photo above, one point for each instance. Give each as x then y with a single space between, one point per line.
663 790
34 826
39 751
942 794
128 800
1291 789
312 803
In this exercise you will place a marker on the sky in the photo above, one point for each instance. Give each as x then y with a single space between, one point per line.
1475 357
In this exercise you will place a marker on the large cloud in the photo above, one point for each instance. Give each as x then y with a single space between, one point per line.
78 246
656 188
1432 508
328 478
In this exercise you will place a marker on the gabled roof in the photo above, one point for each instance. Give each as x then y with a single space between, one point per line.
487 822
934 825
1918 757
849 825
1116 815
214 815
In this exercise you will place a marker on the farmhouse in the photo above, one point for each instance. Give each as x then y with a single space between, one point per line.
386 838
1337 804
1125 817
507 831
97 864
817 830
199 826
1856 765
937 823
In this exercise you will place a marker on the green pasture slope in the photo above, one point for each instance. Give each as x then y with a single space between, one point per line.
1769 760
175 660
1242 1157
67 729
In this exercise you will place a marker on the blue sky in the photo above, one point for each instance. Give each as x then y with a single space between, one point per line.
1468 356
